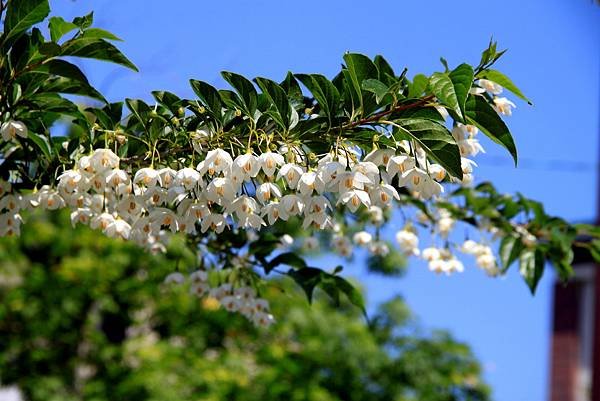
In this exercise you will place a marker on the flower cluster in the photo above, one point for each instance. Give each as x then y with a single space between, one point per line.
241 299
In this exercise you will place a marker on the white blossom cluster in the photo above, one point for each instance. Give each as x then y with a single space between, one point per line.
241 299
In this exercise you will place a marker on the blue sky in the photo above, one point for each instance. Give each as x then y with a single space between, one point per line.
553 56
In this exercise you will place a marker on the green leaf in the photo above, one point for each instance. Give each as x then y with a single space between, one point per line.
209 97
324 92
483 116
139 109
61 68
96 48
504 81
287 258
377 87
386 72
278 99
353 295
245 90
307 278
85 21
292 88
360 67
436 140
99 34
72 87
442 87
462 79
42 143
418 86
22 15
510 249
58 27
531 267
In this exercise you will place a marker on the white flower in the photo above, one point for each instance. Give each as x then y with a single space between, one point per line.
101 221
118 229
380 157
49 199
492 87
379 248
199 276
310 243
419 181
10 224
243 206
470 147
399 164
215 222
269 162
362 238
156 196
117 177
286 240
220 189
84 164
354 198
200 138
11 129
430 254
503 105
217 160
71 180
384 193
376 215
437 172
342 245
330 171
247 164
147 176
317 204
163 217
129 206
368 169
12 203
266 191
187 178
486 261
81 215
292 204
167 176
291 172
349 180
274 211
103 160
310 182
470 247
408 241
175 277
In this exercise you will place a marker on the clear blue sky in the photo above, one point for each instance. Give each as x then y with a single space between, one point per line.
553 56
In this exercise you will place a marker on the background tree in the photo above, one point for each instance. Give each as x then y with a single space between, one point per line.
88 317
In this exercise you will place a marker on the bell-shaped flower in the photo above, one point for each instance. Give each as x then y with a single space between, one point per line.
408 242
187 178
243 206
269 162
214 221
380 157
10 224
368 169
490 86
156 196
292 204
118 229
103 160
116 177
11 129
317 204
354 198
72 180
437 172
274 211
130 206
470 147
251 220
267 191
291 174
399 164
309 182
220 190
49 199
147 176
329 172
217 160
319 220
248 164
310 243
198 211
350 180
163 217
379 248
11 203
167 176
101 221
504 106
383 194
362 238
420 182
81 216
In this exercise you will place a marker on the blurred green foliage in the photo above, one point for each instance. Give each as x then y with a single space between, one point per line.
84 317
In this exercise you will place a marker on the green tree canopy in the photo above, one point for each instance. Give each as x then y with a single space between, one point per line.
88 317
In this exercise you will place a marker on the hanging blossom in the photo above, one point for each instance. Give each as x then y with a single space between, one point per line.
254 190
